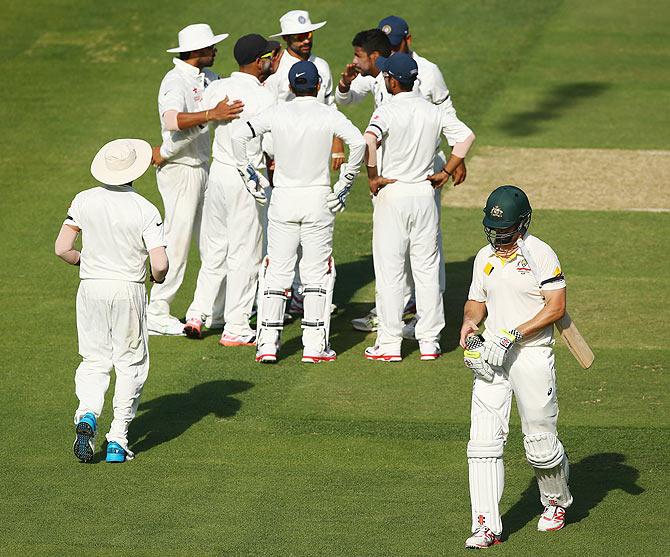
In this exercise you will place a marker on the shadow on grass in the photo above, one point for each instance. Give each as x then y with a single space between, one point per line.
169 416
556 102
591 479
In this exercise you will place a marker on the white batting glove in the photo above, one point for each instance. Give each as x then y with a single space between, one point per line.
495 349
337 199
255 183
472 358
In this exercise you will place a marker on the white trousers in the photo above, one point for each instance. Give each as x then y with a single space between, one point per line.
182 188
529 374
231 244
405 224
112 331
299 217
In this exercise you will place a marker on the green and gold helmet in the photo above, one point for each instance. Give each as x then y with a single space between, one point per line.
507 213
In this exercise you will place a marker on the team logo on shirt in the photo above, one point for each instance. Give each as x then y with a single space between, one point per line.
522 266
496 212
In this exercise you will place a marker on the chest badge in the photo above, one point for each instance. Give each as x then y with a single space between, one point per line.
522 266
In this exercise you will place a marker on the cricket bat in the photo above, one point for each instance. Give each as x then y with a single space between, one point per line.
576 343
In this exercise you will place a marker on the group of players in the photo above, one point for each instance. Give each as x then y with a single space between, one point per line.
263 215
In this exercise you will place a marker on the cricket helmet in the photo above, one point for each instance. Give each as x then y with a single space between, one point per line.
506 207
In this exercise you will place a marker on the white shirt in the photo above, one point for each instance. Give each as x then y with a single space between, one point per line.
510 290
118 228
256 98
182 90
278 82
409 129
302 131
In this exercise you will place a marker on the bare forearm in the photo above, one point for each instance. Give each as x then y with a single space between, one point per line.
547 316
64 246
474 312
190 119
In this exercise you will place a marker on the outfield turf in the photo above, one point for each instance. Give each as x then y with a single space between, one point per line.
354 457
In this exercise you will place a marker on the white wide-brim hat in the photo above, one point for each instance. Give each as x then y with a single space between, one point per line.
195 37
296 22
121 161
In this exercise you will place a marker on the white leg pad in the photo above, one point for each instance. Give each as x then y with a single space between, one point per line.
543 450
547 456
271 307
317 300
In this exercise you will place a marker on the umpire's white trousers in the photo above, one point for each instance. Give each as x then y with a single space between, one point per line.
112 331
182 188
300 217
405 221
231 243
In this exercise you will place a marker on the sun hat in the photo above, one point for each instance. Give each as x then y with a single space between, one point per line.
296 22
121 161
195 37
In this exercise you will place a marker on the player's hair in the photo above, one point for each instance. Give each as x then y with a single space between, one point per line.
305 92
406 86
373 40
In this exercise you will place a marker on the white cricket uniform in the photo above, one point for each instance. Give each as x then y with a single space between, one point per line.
183 179
405 218
232 231
118 229
512 296
302 132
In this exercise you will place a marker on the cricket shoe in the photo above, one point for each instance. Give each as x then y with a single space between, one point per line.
115 452
229 339
482 538
193 328
266 353
552 519
84 446
316 356
367 324
409 329
429 350
166 326
376 353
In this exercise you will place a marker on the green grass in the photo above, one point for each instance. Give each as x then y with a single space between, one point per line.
353 458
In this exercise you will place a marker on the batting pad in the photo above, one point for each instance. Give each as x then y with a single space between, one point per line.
553 484
543 450
487 479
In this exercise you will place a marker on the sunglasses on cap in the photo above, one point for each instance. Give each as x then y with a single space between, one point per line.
267 55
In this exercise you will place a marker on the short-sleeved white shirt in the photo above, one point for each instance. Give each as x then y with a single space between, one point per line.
278 82
118 228
182 89
409 128
510 290
256 98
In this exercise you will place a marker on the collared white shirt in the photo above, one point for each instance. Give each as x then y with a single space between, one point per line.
510 290
409 129
302 131
182 90
118 228
278 82
256 98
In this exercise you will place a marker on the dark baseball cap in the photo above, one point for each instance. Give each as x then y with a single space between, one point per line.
303 76
250 47
395 27
400 66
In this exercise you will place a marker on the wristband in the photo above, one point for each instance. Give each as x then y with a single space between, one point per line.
337 155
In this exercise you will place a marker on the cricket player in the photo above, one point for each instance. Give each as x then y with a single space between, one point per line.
301 210
182 160
518 288
232 232
119 229
408 128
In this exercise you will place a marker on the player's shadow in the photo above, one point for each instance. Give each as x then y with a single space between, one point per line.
591 479
167 417
556 102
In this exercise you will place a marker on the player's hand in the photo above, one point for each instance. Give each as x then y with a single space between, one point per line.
255 183
472 358
378 183
467 329
336 200
348 75
156 159
459 174
338 160
438 180
496 348
226 112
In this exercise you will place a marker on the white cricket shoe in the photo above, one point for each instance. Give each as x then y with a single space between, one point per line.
367 323
408 329
552 519
376 353
229 339
429 350
165 326
266 353
193 328
482 538
316 356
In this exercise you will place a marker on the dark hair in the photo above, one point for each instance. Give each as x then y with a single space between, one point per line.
184 55
406 86
305 92
373 40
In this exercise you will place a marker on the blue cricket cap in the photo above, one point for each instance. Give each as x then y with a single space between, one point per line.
303 76
400 66
395 27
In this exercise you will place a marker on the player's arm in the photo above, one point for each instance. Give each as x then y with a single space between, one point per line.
64 246
474 313
553 310
351 90
461 137
158 260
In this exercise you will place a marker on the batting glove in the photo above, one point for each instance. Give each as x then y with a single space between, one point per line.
255 183
472 357
495 349
336 200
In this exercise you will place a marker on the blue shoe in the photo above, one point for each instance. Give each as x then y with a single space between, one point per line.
115 452
83 443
